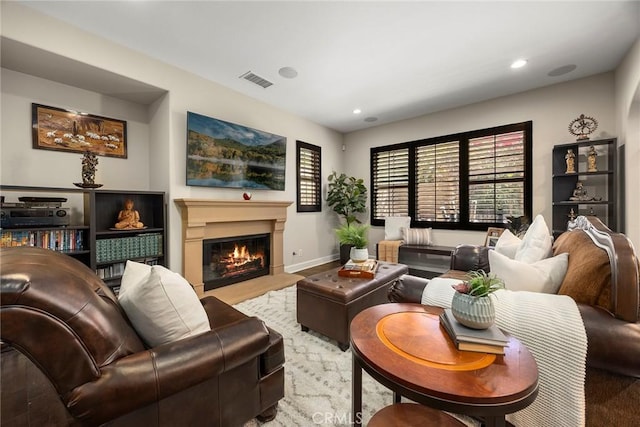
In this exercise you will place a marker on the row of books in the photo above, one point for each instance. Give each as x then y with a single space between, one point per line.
117 269
490 340
120 248
57 240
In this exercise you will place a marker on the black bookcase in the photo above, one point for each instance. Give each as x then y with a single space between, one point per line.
97 243
600 184
112 247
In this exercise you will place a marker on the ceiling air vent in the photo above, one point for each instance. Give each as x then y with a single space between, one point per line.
253 78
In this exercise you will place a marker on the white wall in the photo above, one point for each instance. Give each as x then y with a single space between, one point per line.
157 133
628 127
550 108
22 165
161 130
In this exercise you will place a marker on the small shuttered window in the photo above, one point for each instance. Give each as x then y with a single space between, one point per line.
390 182
308 177
470 180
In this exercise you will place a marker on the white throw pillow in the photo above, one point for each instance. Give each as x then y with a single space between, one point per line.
134 273
508 244
416 236
536 243
542 276
393 225
162 306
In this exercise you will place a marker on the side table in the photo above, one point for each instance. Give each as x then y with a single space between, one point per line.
403 347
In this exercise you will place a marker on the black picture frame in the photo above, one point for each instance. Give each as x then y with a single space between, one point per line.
59 129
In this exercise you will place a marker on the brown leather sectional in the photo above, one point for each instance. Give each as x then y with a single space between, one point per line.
603 277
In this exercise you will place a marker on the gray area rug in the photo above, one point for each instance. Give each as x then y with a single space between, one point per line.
317 374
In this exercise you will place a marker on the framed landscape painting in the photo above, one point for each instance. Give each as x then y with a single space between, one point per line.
224 154
66 130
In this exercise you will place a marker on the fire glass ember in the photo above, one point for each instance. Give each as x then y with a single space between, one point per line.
231 260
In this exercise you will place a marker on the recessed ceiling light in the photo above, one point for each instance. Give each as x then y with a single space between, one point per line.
519 63
357 111
288 72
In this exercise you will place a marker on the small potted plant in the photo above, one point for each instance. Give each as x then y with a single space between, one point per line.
471 304
347 196
355 235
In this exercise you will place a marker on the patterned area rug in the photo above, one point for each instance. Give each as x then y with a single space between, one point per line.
317 374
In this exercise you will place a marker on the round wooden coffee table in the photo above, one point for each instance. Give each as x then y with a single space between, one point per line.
403 347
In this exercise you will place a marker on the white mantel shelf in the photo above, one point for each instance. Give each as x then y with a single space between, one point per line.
211 219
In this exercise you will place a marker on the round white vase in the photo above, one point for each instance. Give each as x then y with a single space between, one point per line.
359 255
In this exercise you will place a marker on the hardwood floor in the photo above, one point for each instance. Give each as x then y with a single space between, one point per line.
239 292
319 268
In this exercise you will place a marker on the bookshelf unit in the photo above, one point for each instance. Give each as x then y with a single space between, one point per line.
96 243
600 184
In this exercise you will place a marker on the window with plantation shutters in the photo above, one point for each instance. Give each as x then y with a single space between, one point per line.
308 177
390 183
496 176
472 180
438 182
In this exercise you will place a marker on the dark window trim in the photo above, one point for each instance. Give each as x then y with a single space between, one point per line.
463 138
317 181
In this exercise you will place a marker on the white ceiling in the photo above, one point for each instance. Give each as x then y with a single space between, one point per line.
393 59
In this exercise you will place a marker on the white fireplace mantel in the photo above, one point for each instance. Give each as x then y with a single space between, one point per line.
212 219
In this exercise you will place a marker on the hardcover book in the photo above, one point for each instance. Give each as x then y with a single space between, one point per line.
490 340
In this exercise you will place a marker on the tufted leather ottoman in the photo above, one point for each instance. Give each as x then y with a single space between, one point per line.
327 302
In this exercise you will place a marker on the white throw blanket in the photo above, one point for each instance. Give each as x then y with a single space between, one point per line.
552 329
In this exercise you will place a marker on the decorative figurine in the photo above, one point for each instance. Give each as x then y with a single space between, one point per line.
89 163
580 193
572 215
582 127
591 160
128 218
570 157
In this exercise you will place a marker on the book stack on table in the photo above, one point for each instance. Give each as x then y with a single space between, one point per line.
490 340
363 270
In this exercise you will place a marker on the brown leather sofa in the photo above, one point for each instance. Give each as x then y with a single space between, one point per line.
603 278
71 357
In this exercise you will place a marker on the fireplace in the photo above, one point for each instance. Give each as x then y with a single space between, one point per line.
206 219
231 260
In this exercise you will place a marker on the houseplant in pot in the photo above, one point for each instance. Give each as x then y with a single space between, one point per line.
471 304
347 196
355 235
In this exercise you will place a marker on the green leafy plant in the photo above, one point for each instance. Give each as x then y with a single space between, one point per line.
354 234
347 196
479 284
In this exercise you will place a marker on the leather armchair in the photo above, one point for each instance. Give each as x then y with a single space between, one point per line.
57 313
